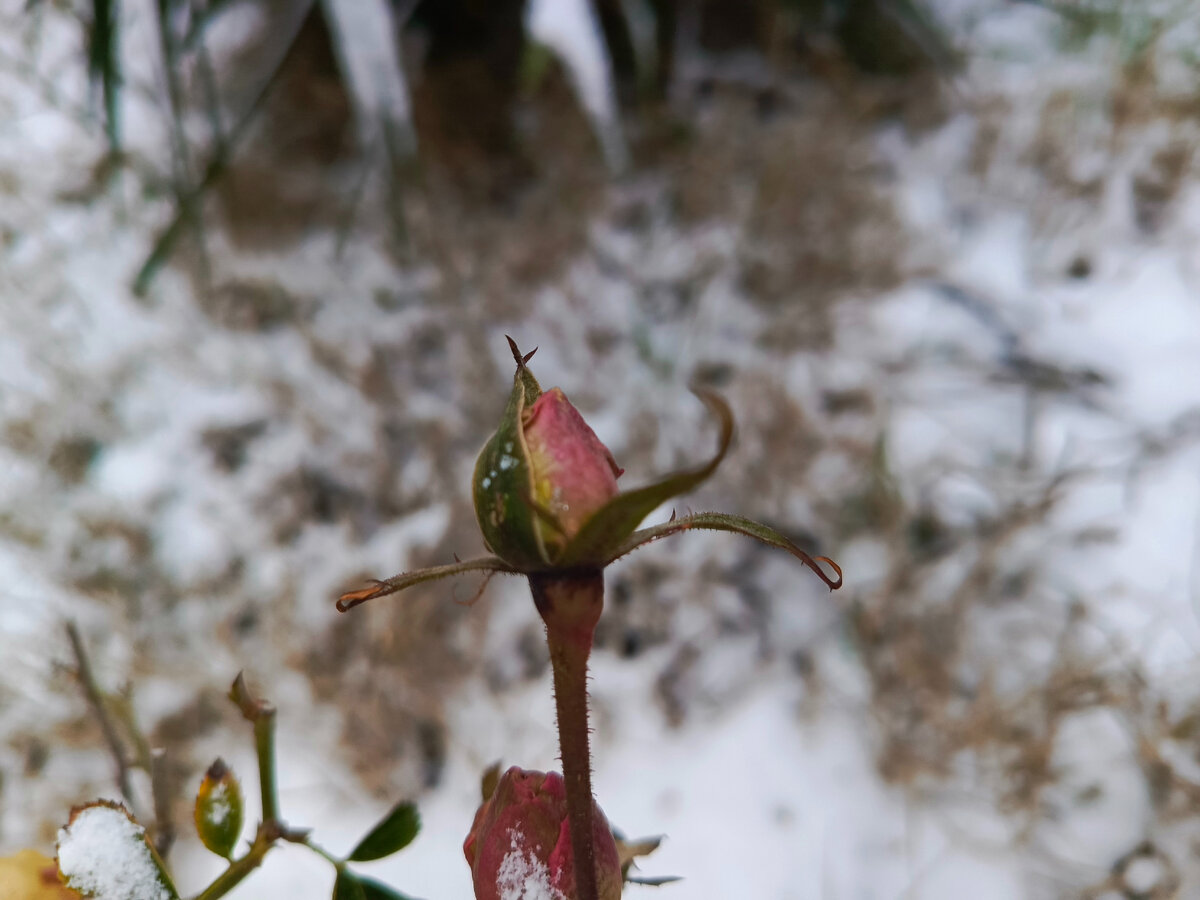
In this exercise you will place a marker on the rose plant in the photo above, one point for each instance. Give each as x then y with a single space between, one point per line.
104 853
548 506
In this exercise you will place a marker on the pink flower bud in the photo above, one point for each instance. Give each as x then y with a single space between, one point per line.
520 842
574 474
540 476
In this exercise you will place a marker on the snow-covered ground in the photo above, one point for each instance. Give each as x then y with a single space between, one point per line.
998 439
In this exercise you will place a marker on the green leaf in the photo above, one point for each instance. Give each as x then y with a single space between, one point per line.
351 599
738 524
394 832
614 522
218 811
348 887
373 890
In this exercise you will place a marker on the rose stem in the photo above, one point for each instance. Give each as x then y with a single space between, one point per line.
570 604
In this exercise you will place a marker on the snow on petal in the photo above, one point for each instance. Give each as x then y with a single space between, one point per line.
522 876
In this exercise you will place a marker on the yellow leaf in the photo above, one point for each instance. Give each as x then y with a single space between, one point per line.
29 875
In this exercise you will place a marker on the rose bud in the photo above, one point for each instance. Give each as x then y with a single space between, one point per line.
573 473
541 476
520 842
545 492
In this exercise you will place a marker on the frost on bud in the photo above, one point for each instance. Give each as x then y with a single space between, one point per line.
218 811
28 875
520 842
540 476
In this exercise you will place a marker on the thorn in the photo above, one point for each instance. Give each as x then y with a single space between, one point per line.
456 559
528 356
487 578
672 519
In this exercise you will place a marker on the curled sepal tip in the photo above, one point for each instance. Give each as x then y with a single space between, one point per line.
722 522
612 524
351 599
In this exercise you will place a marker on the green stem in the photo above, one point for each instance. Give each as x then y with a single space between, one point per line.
570 605
240 868
264 747
261 715
301 837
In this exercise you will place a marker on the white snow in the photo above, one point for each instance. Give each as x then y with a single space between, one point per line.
570 29
364 40
522 876
218 807
770 786
104 854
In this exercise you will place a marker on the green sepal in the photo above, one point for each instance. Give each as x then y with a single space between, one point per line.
629 851
503 481
722 522
613 523
654 881
488 781
394 832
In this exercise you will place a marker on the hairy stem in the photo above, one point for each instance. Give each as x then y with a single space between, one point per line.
570 605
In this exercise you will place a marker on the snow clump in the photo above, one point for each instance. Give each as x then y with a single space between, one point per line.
103 854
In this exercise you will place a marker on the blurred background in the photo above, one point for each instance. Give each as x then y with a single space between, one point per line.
257 258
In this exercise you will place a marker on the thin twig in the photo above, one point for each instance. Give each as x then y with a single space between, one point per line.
164 827
95 699
151 761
